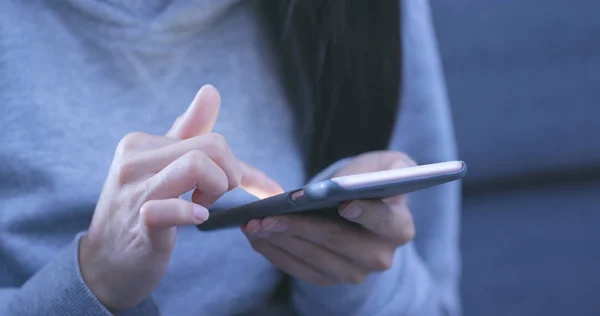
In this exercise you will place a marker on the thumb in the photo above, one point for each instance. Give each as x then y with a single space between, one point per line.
200 117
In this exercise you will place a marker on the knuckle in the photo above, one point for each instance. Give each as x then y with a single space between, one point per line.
235 180
382 261
220 186
218 149
125 171
223 187
358 277
406 231
145 213
217 143
130 141
196 165
194 162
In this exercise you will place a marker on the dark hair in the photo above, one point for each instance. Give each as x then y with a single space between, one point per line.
345 60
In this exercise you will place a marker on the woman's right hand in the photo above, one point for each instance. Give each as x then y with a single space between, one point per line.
127 248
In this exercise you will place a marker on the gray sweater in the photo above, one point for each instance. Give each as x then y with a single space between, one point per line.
77 75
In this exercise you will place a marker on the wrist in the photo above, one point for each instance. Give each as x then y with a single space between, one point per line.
93 277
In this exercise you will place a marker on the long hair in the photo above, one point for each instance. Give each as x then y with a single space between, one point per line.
342 60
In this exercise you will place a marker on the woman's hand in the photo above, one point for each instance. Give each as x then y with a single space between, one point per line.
326 251
127 248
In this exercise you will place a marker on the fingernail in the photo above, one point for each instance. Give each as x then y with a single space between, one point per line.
351 211
277 226
200 213
253 226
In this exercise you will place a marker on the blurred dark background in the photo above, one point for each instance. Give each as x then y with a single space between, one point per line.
523 78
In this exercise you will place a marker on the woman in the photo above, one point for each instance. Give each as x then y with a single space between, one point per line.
81 76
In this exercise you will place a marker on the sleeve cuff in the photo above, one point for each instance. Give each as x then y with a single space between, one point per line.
58 289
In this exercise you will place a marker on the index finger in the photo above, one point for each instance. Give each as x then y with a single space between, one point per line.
257 183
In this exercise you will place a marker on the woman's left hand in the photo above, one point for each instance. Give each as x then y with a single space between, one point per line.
326 251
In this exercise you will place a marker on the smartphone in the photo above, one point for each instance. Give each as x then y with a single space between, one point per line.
323 197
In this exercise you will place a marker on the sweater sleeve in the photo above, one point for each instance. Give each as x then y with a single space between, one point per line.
58 289
425 275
